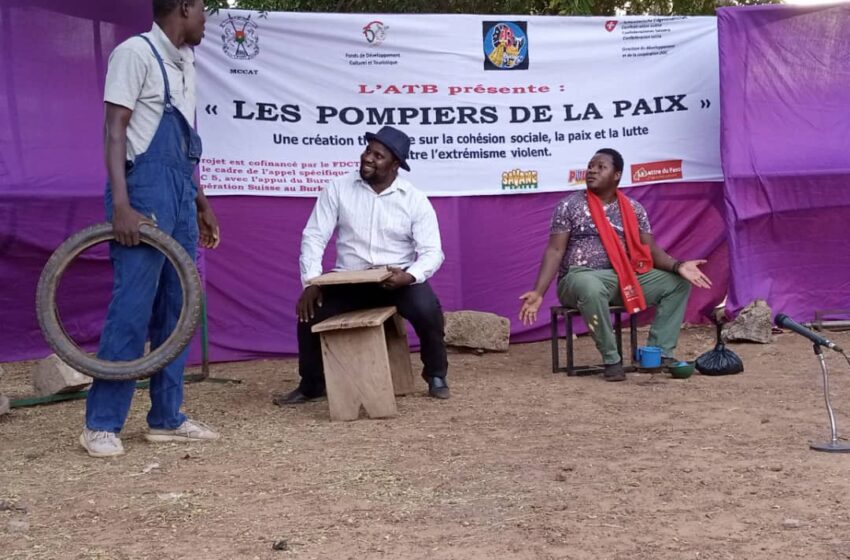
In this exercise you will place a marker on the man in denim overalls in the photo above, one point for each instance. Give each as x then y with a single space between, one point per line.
151 154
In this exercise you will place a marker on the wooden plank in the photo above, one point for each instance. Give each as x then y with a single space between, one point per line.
370 275
357 372
355 319
398 352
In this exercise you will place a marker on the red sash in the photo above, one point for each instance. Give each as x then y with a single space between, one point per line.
628 261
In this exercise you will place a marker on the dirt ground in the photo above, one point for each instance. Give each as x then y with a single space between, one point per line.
520 463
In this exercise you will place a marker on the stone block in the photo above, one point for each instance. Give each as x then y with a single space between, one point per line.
5 405
51 376
477 330
753 324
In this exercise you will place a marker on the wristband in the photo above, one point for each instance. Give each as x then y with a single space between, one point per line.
675 268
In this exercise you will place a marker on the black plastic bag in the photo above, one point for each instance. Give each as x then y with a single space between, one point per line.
719 361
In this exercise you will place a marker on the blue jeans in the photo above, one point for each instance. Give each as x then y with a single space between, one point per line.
146 301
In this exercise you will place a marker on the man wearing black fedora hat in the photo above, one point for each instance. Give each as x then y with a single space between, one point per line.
380 219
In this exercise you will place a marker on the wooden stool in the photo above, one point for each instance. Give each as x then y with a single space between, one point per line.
367 362
568 313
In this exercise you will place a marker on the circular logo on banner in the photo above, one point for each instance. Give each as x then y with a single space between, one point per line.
506 45
375 32
239 38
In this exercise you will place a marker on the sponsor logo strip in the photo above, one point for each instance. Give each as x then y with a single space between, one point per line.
657 171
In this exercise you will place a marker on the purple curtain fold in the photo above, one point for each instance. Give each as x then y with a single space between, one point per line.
52 67
785 113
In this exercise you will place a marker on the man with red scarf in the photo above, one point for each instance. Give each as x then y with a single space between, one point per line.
602 249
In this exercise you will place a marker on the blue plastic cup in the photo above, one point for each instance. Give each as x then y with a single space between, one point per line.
649 356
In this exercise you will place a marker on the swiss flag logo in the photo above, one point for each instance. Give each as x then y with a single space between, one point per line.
610 25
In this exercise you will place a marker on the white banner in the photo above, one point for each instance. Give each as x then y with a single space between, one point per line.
494 104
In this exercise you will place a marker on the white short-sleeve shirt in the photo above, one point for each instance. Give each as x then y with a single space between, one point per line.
134 80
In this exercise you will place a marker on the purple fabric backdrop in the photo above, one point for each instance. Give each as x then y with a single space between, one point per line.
51 165
785 94
493 246
51 184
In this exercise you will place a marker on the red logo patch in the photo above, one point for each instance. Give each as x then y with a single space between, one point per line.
657 171
610 25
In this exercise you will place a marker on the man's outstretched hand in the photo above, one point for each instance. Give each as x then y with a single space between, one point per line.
689 270
531 302
309 302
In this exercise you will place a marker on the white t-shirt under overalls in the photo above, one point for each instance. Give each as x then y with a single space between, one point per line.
134 81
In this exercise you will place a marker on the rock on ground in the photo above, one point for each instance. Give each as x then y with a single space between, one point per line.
753 324
477 330
51 376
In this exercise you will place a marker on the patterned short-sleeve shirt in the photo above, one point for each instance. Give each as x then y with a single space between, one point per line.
572 216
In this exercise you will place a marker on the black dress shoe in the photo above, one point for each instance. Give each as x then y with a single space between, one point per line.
293 397
438 388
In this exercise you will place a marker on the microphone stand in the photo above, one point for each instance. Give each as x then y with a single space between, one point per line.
833 446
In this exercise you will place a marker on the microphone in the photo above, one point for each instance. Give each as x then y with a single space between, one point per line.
783 320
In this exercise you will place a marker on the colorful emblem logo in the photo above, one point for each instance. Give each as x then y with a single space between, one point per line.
577 176
517 179
505 45
375 32
239 38
610 25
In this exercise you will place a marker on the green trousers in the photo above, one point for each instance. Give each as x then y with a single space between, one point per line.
593 291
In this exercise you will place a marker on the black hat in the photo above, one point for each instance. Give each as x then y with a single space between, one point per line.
395 141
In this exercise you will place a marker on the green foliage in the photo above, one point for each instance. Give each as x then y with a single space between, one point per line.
533 7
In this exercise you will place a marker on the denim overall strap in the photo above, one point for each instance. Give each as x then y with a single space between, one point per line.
173 124
167 95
